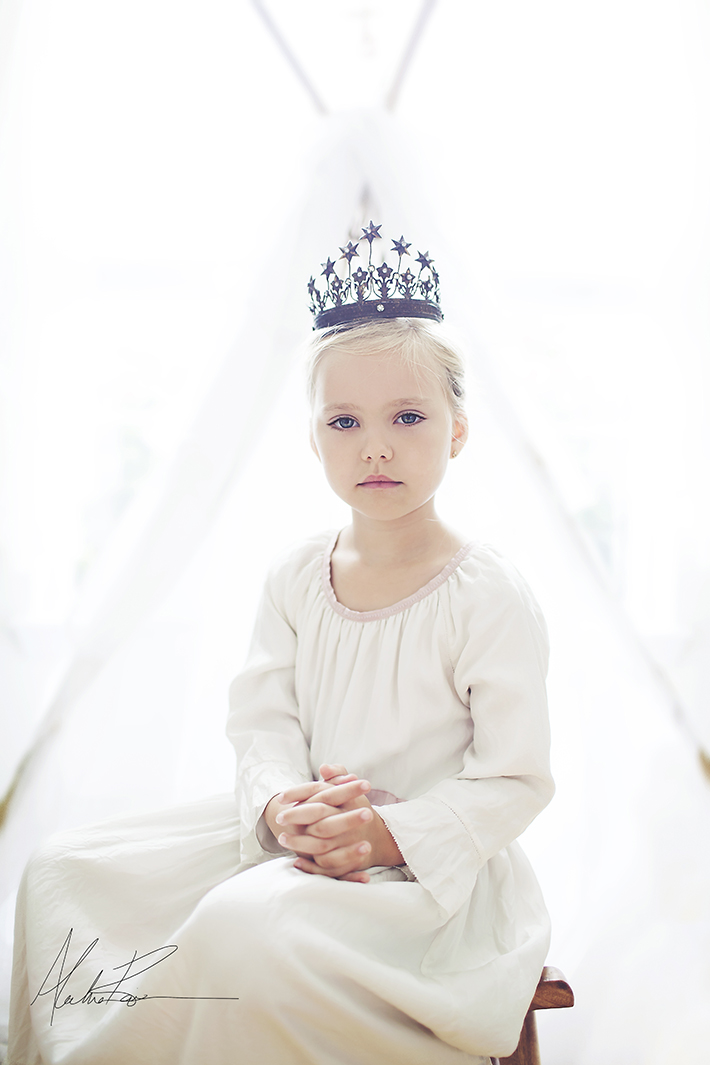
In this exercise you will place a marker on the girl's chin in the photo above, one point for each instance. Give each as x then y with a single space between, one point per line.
391 512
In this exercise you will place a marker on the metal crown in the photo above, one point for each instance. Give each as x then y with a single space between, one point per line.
350 297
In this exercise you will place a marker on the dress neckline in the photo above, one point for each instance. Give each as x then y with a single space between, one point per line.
395 608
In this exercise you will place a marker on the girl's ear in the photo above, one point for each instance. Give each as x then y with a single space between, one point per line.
459 434
313 444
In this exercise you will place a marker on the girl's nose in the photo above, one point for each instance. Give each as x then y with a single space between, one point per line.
376 449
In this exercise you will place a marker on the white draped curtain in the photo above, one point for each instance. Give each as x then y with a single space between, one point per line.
168 186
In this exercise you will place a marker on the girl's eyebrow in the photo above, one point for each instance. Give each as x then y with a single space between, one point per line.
340 406
407 401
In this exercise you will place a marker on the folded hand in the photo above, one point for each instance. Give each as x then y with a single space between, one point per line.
332 827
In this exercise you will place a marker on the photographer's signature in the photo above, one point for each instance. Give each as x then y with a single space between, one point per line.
101 991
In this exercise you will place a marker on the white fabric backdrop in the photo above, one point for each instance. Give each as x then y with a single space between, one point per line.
163 613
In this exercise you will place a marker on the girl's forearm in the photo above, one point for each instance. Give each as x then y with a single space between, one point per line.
384 848
271 811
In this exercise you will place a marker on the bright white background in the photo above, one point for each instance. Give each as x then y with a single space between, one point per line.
150 155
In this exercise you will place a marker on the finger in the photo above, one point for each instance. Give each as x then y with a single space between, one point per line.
313 788
345 859
361 802
317 791
355 877
301 792
300 844
328 771
304 813
338 794
310 845
324 820
308 866
351 861
342 823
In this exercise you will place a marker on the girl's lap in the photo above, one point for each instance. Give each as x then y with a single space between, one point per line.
278 902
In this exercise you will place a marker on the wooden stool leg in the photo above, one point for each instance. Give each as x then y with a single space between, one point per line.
553 993
528 1051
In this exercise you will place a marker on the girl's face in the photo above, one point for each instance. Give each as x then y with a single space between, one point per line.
384 432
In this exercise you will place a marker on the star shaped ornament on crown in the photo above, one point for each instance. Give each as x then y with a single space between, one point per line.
401 246
372 232
349 251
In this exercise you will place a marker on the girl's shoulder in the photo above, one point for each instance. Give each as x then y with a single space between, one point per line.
300 555
487 568
487 592
295 568
485 580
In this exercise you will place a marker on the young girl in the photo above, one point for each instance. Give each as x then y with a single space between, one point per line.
364 903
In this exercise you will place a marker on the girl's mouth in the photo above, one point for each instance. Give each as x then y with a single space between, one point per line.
378 480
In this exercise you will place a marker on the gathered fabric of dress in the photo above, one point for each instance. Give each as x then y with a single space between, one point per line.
439 701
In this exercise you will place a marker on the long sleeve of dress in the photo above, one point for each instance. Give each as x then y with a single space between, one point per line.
499 661
263 725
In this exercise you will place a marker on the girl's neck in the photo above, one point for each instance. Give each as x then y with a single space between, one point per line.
413 540
377 564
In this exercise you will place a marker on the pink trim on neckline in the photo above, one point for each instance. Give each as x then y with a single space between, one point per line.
395 608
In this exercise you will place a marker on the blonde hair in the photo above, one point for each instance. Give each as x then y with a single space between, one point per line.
420 343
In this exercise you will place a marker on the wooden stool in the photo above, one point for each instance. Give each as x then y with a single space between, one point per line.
553 993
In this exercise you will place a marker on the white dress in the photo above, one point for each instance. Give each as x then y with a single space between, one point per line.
439 701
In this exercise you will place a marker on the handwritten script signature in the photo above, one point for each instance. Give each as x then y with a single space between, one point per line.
107 991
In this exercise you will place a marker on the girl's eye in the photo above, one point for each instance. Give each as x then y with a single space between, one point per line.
343 422
409 418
